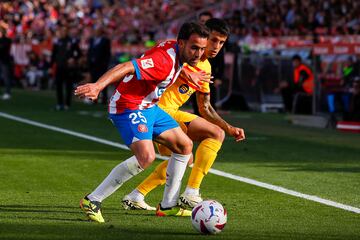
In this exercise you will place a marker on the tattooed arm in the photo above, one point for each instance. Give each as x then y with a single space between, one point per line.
209 113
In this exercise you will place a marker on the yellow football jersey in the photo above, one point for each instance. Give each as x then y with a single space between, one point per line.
178 93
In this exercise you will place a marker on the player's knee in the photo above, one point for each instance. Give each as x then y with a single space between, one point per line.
146 159
182 145
186 147
218 134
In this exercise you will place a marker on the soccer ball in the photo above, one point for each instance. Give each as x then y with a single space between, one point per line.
209 217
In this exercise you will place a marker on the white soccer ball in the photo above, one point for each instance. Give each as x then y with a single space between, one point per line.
209 217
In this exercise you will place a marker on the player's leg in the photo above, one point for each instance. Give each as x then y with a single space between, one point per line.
158 176
210 137
137 134
59 82
136 199
175 171
181 146
144 155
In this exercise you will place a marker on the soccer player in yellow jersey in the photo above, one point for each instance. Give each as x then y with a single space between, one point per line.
208 130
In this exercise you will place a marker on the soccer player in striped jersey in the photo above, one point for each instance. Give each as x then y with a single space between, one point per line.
133 110
208 130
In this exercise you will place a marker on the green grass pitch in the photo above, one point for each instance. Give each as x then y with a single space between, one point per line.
44 174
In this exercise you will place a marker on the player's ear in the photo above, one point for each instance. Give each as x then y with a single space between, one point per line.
181 43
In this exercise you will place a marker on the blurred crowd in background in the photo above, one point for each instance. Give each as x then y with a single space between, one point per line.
40 40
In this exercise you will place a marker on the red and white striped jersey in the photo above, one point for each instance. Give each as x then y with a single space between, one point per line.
155 71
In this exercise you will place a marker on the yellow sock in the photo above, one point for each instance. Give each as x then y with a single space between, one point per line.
156 178
204 159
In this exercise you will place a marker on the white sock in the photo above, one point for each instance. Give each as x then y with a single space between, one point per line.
192 191
174 174
120 174
136 196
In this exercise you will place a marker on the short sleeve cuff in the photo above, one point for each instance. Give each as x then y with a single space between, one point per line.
137 70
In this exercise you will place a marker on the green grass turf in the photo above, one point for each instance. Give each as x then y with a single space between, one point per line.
44 174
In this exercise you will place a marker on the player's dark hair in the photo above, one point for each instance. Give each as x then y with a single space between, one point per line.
189 28
218 25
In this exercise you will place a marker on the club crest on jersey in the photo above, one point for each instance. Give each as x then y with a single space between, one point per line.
184 88
142 128
147 63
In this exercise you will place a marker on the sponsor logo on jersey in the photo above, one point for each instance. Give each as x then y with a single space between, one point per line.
147 63
142 128
184 88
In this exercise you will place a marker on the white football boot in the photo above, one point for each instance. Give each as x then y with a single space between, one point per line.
129 204
189 201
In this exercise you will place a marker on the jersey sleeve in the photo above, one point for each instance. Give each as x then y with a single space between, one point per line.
154 66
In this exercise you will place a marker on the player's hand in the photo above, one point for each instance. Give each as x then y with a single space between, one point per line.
89 90
237 133
198 78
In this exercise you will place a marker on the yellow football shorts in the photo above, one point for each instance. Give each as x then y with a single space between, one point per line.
182 118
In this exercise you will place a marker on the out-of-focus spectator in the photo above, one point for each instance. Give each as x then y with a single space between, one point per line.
5 63
355 101
76 53
267 76
44 67
136 22
65 54
250 18
44 43
303 82
99 54
343 95
84 74
204 16
20 50
297 18
33 73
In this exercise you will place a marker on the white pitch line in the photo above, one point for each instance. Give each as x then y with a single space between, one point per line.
286 191
213 171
